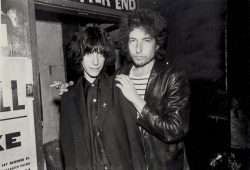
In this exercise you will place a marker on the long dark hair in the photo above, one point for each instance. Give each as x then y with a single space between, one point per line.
89 40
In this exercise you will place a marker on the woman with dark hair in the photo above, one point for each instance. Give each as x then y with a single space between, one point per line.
93 137
82 44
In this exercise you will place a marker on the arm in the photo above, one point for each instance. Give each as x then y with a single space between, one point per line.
172 123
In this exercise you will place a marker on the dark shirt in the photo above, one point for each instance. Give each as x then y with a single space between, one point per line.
99 157
76 132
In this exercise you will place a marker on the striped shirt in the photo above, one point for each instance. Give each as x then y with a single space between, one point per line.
140 84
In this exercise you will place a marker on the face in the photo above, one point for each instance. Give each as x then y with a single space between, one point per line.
142 47
92 64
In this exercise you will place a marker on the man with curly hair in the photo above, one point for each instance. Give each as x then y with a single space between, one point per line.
152 95
93 137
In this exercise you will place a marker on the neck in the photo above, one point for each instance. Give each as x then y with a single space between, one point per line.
143 70
88 78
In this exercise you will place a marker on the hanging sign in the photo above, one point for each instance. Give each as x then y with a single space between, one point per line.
17 129
124 5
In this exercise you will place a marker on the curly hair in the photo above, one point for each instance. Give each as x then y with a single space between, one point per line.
153 24
89 40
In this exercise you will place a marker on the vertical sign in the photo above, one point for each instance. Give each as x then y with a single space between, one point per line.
17 130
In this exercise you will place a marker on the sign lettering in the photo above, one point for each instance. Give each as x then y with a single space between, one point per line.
16 106
10 141
125 5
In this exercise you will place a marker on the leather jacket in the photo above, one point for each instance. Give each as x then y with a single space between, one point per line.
164 118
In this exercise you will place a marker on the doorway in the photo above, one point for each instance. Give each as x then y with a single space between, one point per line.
54 32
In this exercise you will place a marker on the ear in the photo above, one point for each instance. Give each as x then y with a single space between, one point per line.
157 47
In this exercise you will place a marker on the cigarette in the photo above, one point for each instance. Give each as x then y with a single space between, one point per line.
55 84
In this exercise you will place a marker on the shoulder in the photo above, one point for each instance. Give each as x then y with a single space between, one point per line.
171 75
167 69
106 80
73 90
124 69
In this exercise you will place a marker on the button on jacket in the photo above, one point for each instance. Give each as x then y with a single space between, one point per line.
77 134
164 118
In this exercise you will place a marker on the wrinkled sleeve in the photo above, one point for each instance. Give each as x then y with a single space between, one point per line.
172 124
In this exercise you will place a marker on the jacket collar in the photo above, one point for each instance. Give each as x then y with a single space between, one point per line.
103 80
158 67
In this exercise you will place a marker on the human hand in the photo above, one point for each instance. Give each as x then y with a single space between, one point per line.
126 86
128 90
62 86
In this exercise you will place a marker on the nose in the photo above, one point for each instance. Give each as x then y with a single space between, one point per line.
95 59
138 47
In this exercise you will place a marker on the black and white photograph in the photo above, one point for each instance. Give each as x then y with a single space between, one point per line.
125 85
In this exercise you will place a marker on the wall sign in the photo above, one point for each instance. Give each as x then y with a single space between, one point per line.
17 129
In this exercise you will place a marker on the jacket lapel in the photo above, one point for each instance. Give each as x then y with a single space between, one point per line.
104 99
80 104
157 68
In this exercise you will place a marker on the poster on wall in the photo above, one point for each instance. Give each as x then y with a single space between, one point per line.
17 129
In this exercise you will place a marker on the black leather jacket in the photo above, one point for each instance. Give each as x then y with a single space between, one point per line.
165 118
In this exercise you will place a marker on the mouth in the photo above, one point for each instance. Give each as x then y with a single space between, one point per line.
139 57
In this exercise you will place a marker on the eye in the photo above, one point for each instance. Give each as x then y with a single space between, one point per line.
131 40
147 40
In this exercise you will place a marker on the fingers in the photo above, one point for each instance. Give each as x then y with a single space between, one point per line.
64 86
127 79
121 82
56 84
122 88
61 91
61 86
119 86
